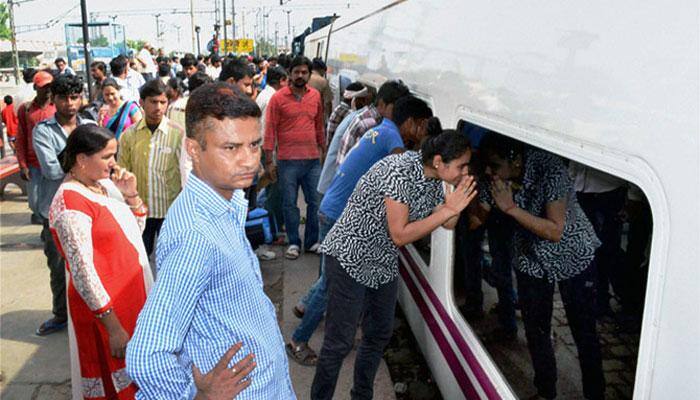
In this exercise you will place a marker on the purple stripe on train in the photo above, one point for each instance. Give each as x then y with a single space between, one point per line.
473 363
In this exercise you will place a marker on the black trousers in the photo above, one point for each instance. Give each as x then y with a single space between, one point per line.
348 300
149 234
57 268
578 294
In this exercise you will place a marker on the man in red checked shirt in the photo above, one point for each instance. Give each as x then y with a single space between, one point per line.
29 115
294 127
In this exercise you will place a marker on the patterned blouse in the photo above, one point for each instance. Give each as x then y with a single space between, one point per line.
360 240
545 180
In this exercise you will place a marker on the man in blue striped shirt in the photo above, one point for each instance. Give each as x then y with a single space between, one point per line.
209 292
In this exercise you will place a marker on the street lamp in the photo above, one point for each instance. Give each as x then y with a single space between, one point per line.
197 29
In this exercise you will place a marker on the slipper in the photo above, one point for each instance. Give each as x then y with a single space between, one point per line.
302 354
50 326
298 312
292 252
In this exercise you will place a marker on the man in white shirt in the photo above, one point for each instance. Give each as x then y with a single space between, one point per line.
276 79
148 66
129 81
214 70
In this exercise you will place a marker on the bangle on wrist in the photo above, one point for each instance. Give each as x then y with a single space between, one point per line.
131 196
104 314
138 205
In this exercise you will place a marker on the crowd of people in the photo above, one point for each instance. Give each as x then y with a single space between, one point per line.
169 156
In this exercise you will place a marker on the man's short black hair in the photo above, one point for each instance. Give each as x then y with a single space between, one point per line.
299 60
152 88
188 60
118 65
163 69
214 58
391 91
235 69
7 99
408 107
272 58
275 75
217 100
198 79
100 66
318 65
200 58
28 74
65 85
59 59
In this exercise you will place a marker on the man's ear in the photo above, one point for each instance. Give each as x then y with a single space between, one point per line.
193 149
141 103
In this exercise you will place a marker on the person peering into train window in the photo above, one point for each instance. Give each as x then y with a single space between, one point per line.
553 243
398 201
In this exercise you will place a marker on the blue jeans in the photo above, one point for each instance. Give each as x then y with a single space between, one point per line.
291 175
315 300
33 189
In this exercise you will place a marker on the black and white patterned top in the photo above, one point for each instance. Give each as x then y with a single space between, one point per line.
546 179
360 239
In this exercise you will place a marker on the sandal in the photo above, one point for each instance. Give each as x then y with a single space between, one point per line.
302 354
50 326
292 252
298 312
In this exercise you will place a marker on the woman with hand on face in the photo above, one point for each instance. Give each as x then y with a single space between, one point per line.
117 114
96 218
554 244
399 200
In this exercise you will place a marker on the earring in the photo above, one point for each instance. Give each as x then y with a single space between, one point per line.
435 166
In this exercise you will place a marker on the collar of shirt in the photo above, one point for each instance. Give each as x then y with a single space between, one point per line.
215 203
79 121
163 126
287 91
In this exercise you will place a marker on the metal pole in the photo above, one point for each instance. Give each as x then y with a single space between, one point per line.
13 39
199 50
192 22
289 30
86 43
233 18
276 33
225 34
158 29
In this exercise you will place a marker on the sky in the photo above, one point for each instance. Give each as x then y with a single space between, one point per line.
39 12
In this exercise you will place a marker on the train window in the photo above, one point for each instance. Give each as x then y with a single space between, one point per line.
319 47
504 268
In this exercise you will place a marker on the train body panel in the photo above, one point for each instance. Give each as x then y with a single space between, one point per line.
611 85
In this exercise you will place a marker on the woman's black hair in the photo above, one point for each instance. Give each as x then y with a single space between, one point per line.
110 82
448 144
500 145
86 139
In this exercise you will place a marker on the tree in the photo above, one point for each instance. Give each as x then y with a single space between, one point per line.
100 41
135 44
5 32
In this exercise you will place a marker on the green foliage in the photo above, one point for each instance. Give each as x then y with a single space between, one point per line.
100 41
5 33
135 44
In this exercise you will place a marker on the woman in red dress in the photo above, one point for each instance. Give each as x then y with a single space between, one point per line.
96 219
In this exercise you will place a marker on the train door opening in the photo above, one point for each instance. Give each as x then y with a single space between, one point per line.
497 262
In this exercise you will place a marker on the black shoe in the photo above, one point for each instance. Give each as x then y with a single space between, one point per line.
51 326
501 336
36 220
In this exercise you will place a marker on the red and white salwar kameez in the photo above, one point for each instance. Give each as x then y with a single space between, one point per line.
107 264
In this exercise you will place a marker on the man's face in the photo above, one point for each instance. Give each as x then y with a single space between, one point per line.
246 85
273 63
67 105
229 158
44 91
300 76
190 70
61 65
154 108
96 74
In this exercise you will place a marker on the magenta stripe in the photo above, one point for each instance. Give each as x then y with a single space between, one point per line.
452 361
474 364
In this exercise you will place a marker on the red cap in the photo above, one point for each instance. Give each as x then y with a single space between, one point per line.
42 78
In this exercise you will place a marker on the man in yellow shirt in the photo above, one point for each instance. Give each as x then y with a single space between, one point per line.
151 150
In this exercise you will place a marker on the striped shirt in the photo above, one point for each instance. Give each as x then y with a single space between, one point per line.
155 160
208 296
366 119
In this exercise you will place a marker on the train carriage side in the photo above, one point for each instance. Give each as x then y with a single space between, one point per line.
609 85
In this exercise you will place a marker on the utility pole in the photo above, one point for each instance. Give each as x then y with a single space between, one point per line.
199 50
224 25
192 23
13 39
86 44
276 33
289 30
157 29
233 18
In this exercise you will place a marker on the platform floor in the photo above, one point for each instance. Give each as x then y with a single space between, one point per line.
33 367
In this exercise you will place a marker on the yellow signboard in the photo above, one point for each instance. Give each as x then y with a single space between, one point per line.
228 46
244 45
